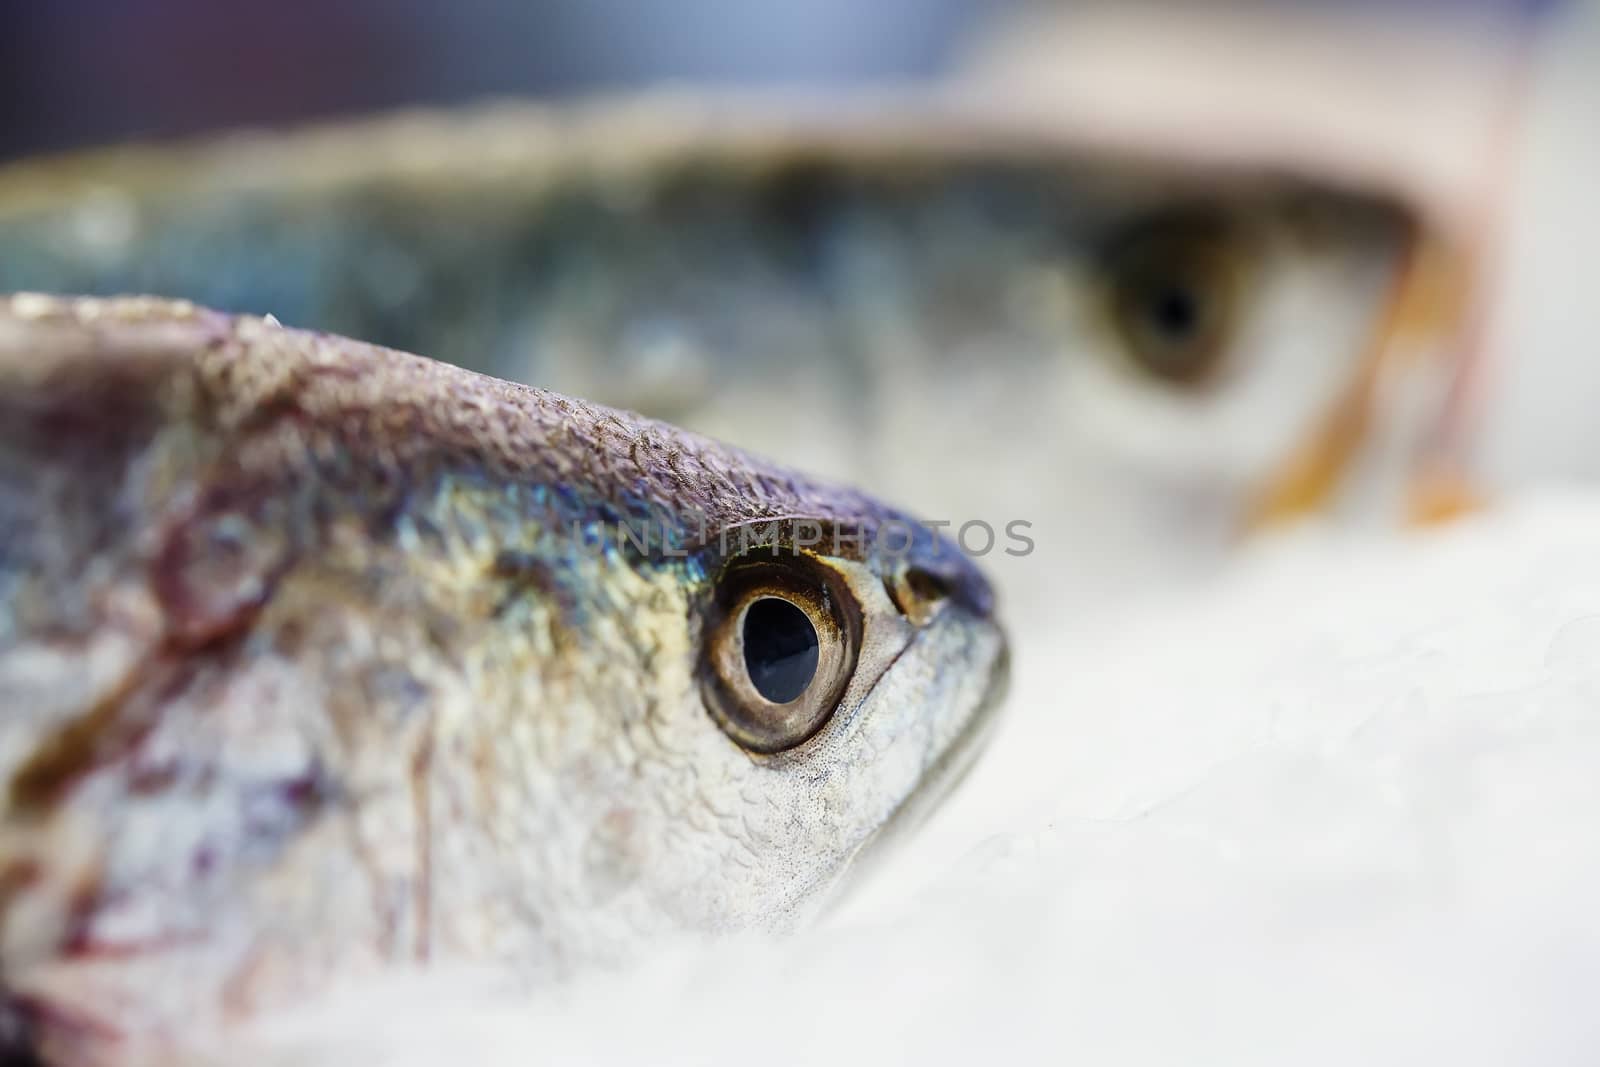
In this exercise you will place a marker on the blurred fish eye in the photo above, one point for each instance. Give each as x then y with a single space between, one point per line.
1174 289
782 643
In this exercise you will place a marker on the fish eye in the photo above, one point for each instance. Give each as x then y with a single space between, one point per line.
781 646
1173 294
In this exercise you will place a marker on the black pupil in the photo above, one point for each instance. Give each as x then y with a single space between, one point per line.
780 649
1175 312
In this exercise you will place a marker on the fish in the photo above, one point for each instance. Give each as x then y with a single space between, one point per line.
318 659
1104 362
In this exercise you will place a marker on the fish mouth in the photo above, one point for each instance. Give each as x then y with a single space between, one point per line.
938 781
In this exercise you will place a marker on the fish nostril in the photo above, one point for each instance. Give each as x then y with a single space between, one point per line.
919 594
926 586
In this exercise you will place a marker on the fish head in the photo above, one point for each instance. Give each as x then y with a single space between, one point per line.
839 671
320 659
759 677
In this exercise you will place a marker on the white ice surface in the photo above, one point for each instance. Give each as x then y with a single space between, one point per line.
1341 807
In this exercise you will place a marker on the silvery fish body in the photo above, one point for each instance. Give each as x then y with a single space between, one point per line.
1124 350
317 659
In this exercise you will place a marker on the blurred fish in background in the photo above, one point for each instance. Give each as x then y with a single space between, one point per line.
1018 321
